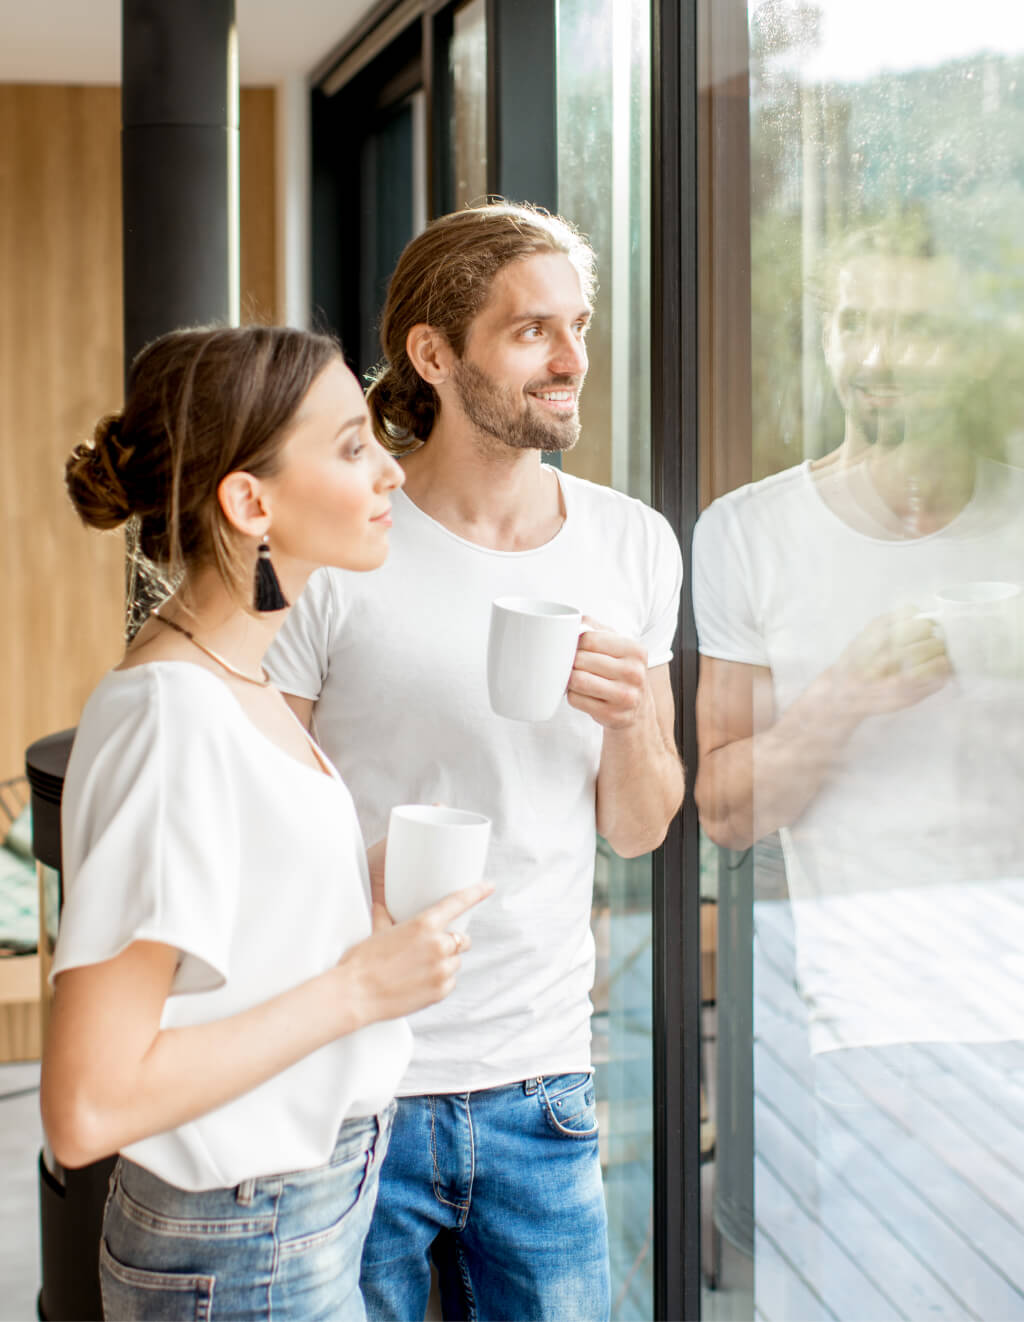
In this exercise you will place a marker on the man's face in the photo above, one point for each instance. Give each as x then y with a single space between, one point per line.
519 378
892 343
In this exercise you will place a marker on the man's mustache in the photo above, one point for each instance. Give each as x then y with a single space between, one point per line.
899 382
557 383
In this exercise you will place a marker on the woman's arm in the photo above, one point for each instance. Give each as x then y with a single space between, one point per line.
111 1076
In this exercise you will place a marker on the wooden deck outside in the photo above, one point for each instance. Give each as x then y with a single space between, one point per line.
888 1183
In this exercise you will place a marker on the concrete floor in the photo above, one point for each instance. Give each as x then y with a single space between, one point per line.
20 1138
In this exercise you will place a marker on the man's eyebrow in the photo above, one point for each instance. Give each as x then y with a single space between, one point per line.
584 313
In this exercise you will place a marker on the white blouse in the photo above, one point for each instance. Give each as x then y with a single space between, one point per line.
182 823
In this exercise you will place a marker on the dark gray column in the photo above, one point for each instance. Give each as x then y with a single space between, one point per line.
179 166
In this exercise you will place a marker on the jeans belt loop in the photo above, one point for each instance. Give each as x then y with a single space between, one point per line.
245 1194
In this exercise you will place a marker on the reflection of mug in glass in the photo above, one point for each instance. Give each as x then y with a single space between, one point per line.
432 851
530 653
981 626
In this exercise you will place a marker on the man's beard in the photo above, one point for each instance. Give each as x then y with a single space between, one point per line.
884 432
926 406
505 415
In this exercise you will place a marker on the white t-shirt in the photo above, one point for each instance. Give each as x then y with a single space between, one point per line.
396 660
182 823
918 824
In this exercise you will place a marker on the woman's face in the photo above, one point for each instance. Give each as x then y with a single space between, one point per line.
329 501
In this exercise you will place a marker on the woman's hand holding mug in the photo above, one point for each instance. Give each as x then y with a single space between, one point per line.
403 967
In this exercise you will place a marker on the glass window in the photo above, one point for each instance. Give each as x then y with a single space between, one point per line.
859 593
604 186
603 108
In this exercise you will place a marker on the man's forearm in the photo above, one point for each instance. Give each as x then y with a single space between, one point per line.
749 788
639 785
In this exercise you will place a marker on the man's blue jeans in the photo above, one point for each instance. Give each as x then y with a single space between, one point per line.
502 1187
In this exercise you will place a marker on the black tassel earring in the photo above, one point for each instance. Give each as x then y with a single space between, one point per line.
267 594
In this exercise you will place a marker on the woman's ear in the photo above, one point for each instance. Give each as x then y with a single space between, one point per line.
242 500
430 353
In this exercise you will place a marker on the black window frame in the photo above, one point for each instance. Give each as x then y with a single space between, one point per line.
674 468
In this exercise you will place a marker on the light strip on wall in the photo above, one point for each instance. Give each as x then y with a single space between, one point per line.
390 27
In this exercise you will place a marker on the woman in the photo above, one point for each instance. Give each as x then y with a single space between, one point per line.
224 1016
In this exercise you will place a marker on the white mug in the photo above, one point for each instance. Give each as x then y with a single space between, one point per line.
530 653
980 622
432 851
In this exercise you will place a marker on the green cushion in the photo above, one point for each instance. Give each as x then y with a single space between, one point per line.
19 837
19 903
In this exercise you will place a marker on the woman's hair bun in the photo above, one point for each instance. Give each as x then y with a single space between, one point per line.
94 474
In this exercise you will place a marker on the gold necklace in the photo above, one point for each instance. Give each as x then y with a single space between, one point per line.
262 683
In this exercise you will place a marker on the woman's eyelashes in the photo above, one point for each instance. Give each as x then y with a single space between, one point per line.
353 444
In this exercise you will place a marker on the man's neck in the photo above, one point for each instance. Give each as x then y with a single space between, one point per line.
501 498
914 488
924 480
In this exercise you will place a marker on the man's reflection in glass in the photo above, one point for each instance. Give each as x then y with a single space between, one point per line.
860 621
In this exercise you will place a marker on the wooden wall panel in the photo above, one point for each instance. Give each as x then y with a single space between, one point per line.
256 169
61 585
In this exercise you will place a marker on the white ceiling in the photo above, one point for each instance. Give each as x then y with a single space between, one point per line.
79 41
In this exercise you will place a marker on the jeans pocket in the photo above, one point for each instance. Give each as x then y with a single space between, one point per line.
568 1102
317 1212
355 1139
133 1294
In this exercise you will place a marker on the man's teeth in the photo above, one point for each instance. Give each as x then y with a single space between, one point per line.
559 396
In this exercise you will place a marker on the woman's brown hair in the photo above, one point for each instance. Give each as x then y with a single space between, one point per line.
200 404
443 279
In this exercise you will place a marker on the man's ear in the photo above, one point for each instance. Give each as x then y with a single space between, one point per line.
430 353
243 501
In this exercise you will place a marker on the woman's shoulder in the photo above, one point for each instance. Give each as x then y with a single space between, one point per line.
159 684
151 703
150 736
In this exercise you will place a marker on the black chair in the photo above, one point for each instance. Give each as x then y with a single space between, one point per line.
70 1202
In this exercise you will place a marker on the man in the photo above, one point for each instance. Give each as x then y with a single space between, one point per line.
493 1168
860 692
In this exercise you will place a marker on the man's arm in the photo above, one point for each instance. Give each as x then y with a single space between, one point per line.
640 777
302 707
757 774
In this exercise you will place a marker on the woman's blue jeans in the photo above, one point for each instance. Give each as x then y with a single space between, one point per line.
502 1188
280 1248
